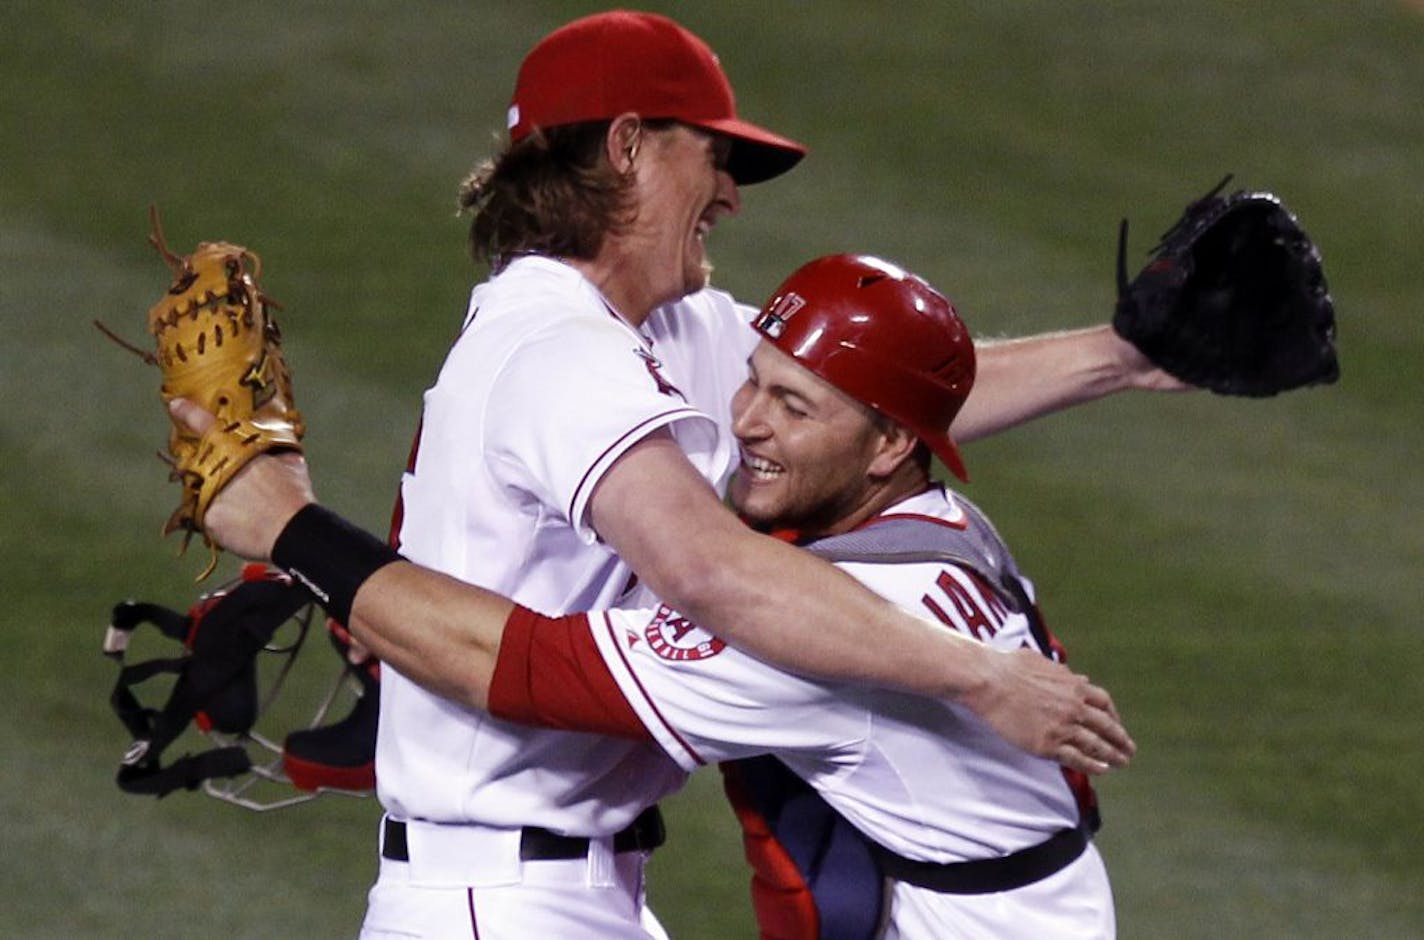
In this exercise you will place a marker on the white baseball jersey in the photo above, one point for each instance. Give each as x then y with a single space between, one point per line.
928 780
544 389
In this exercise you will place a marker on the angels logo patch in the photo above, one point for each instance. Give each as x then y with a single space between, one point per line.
672 636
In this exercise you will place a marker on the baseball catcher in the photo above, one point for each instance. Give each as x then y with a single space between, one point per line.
1234 299
217 343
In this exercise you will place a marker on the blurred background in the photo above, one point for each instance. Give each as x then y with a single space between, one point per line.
1243 575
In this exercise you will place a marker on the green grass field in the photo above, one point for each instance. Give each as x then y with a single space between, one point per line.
1243 575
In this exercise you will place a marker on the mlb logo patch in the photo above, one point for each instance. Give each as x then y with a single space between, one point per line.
772 321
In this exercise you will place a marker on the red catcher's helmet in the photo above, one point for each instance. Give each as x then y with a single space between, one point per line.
881 335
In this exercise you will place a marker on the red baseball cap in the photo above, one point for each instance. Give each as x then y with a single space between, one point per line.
603 65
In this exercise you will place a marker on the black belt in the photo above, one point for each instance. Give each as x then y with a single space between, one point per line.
989 875
535 844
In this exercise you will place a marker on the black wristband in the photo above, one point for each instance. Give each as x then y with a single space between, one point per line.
330 556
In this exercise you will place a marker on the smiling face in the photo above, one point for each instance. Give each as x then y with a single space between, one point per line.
813 459
683 189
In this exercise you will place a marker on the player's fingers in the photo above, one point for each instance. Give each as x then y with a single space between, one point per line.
1103 722
1099 743
1098 697
191 415
1091 754
1075 759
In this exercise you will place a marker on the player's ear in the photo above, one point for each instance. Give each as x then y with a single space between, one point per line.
894 444
625 134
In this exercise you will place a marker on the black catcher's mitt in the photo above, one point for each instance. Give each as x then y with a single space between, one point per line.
1233 300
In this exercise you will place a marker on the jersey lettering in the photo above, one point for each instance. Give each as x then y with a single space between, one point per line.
970 614
993 603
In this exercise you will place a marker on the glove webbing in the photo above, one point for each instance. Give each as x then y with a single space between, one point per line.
1194 217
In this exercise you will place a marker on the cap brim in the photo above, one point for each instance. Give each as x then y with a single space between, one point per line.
757 154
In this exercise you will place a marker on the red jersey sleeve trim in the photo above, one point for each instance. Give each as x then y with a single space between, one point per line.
549 673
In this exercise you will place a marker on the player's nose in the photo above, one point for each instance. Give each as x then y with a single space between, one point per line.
729 196
749 415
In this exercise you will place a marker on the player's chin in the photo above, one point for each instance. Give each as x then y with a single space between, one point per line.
751 501
696 276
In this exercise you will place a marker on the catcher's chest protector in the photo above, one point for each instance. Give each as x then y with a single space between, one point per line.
815 876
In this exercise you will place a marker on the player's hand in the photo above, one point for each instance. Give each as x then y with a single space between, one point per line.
1049 710
1139 372
251 510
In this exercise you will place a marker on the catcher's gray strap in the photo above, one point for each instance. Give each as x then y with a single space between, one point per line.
908 539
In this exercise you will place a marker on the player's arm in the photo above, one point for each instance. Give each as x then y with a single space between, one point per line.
478 649
445 635
1020 379
653 506
441 633
804 615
